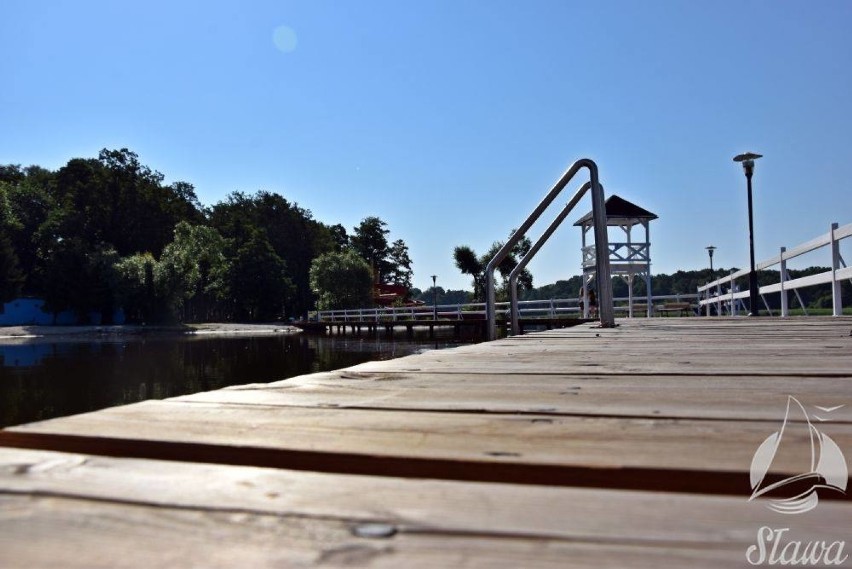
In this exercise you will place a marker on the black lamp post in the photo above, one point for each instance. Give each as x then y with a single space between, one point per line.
710 249
748 166
434 297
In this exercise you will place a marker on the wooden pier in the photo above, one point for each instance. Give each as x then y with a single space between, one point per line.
583 447
462 328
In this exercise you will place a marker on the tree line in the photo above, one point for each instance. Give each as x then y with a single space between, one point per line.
105 233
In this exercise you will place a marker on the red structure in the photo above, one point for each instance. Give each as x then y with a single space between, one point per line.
390 294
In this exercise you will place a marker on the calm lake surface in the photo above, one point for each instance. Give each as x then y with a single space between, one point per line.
45 379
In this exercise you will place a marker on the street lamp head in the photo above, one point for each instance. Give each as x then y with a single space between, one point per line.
747 158
710 249
434 279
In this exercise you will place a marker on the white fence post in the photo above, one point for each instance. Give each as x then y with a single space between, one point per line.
836 299
785 309
733 300
707 297
718 299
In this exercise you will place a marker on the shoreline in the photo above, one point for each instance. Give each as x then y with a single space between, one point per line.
92 332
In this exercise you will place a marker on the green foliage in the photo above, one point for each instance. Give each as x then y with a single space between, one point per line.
258 282
139 293
400 264
105 232
469 263
371 242
11 276
117 200
391 264
196 261
78 277
27 202
292 232
560 289
341 280
442 296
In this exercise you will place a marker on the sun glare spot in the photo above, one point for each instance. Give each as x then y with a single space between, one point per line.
285 39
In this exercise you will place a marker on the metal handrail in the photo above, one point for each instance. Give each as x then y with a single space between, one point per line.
605 310
513 276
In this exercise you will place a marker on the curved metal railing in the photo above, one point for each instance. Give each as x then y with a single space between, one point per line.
605 310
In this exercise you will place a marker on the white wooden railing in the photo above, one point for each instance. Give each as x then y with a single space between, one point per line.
550 308
712 293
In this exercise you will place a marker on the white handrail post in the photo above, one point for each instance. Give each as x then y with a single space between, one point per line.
733 300
836 299
718 298
785 308
709 292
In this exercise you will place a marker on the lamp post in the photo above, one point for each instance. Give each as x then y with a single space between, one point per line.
748 159
710 249
434 298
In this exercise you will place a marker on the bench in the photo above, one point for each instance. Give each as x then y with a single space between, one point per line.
684 308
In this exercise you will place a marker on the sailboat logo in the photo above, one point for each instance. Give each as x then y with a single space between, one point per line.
827 471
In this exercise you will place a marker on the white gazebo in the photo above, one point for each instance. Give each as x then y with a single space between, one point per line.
628 258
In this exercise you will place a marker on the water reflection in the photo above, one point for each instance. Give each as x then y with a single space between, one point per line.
40 380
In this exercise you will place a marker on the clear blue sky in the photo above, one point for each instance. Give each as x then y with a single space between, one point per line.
450 119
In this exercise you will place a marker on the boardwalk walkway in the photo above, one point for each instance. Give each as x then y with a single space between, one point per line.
581 447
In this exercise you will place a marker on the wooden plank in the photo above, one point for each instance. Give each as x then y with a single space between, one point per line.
84 511
711 347
631 453
49 532
752 398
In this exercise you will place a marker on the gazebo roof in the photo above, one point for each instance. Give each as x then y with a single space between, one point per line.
619 211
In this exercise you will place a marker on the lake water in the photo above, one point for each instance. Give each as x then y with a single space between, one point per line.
41 380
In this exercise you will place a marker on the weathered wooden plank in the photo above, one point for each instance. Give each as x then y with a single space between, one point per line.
752 398
654 349
50 532
656 454
84 511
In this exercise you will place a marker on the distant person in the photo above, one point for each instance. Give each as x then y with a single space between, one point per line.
593 304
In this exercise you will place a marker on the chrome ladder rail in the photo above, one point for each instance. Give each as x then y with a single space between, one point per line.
605 308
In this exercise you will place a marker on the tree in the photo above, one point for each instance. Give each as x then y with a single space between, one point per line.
341 280
400 264
79 277
200 268
469 263
137 290
29 202
258 281
391 264
371 242
292 232
11 276
117 200
443 296
339 236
